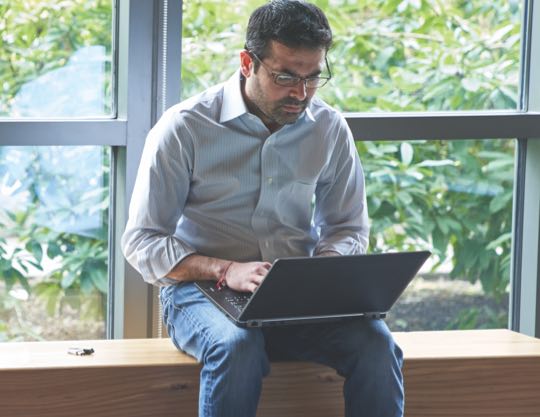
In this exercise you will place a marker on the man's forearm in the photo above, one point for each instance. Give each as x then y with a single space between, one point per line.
240 276
197 267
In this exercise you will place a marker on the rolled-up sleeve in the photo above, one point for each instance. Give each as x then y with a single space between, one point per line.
160 192
341 210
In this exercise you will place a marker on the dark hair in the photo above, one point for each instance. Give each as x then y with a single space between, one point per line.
293 23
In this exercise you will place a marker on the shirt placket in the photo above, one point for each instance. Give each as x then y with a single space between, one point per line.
267 200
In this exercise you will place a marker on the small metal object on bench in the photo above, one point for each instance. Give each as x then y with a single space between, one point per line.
78 351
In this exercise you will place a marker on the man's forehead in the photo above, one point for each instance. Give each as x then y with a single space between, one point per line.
306 60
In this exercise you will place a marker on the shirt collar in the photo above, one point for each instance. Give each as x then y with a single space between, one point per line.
233 101
309 114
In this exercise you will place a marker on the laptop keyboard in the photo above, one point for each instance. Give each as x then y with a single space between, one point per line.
238 301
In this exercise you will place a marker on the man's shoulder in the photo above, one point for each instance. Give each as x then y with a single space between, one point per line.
189 113
207 103
325 114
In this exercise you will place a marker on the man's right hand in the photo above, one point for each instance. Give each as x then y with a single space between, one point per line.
240 276
246 276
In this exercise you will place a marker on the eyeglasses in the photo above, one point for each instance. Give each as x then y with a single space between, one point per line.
287 80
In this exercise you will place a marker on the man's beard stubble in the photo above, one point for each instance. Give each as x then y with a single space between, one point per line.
278 115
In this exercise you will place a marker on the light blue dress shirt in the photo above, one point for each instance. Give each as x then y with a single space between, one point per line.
213 180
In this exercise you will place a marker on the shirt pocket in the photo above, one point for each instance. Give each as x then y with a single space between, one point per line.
296 203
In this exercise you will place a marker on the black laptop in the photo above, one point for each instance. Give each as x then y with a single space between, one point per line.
307 289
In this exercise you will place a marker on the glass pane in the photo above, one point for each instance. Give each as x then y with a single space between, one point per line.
406 55
53 242
56 58
455 199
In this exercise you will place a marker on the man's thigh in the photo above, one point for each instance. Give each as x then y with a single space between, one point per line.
336 344
195 325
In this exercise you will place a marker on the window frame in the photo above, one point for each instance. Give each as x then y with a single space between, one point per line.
525 276
147 47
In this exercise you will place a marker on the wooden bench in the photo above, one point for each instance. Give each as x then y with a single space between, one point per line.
453 373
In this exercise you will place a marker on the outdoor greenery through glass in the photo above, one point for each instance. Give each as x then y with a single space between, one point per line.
388 55
453 197
55 61
55 58
53 242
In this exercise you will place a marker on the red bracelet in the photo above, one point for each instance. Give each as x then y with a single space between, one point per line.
222 283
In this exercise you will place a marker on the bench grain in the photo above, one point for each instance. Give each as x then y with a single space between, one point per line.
447 374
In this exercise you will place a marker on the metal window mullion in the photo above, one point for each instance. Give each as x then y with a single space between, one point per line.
364 126
149 83
63 133
514 308
528 245
171 59
526 262
443 126
167 55
131 306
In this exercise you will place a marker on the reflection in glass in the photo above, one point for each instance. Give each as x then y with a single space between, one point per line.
53 242
55 61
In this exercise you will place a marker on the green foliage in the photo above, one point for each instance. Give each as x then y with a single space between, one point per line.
395 55
76 272
11 306
213 34
471 318
424 55
37 36
82 271
454 197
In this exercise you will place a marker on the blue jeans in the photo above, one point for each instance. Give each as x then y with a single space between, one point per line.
235 360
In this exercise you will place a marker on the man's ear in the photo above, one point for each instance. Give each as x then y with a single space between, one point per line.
246 63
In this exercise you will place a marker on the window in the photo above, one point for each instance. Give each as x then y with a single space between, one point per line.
477 61
56 58
54 242
56 62
453 197
387 55
425 55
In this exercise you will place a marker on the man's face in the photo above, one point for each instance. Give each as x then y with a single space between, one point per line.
274 104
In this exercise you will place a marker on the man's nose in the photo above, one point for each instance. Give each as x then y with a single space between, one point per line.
299 91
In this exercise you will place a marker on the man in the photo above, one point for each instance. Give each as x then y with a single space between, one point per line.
248 171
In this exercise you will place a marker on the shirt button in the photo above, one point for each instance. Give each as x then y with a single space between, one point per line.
266 244
270 179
